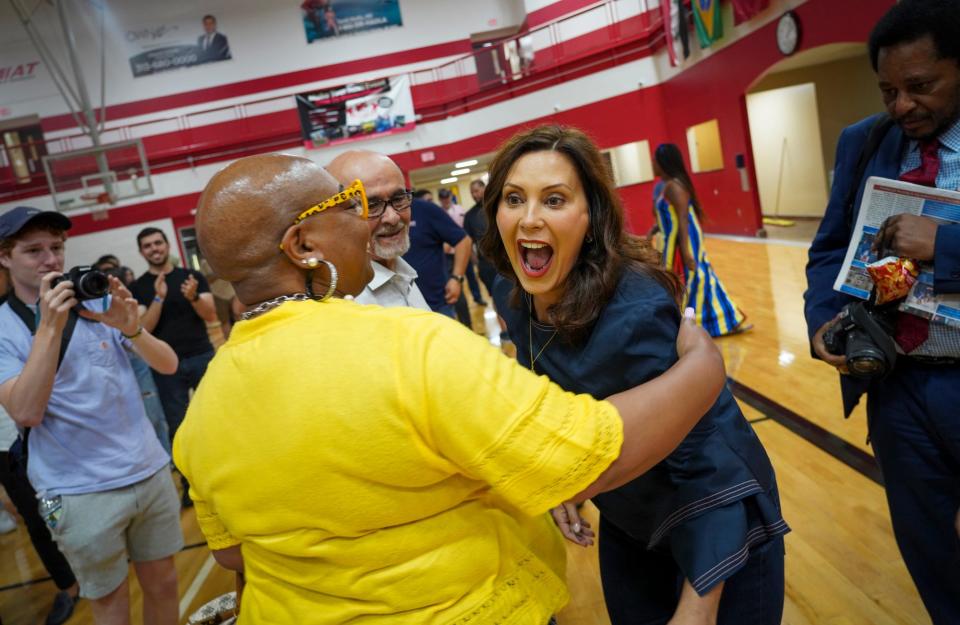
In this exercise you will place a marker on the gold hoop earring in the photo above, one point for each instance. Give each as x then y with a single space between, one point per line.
334 277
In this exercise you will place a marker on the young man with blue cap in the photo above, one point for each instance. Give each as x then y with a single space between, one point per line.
100 474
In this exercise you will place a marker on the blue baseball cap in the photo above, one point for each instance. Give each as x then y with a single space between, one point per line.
15 219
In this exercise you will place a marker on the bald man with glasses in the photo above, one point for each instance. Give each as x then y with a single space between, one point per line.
389 204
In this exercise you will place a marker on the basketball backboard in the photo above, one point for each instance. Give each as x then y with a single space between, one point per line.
98 177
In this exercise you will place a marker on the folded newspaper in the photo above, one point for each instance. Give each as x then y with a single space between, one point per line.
881 199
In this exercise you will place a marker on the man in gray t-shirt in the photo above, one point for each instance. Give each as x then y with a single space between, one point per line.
100 474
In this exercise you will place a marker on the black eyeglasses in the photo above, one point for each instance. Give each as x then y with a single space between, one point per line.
399 201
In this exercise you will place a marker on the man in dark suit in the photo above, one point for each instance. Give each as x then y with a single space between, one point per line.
913 413
213 46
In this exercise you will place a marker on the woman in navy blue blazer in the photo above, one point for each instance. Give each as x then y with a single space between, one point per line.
699 538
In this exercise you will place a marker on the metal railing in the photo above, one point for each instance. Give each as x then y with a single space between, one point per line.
591 30
481 75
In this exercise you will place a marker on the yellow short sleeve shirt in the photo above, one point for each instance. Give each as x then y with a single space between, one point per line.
387 466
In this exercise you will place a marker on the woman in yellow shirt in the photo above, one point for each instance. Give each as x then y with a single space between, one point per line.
372 465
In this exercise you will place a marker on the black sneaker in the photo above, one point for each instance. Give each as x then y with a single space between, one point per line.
62 609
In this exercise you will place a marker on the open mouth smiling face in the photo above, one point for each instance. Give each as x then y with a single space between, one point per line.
543 218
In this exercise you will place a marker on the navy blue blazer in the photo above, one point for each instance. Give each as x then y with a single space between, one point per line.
712 500
829 247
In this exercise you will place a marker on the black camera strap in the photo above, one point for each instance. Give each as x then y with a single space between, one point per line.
29 319
878 132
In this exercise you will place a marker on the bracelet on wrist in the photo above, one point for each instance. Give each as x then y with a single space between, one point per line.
158 299
134 335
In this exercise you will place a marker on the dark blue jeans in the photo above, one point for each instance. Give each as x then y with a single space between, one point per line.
914 416
448 310
642 586
175 389
151 400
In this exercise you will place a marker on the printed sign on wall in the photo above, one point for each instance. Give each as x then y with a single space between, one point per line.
357 110
23 79
176 44
325 19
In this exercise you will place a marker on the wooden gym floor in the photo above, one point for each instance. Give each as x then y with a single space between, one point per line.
843 567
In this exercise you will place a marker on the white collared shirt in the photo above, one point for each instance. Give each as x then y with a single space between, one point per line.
393 288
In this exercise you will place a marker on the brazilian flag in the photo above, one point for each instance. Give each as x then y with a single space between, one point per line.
706 14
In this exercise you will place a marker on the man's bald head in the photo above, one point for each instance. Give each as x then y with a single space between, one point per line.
247 206
370 167
383 181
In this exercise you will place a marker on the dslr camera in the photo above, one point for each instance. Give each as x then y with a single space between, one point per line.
864 335
88 283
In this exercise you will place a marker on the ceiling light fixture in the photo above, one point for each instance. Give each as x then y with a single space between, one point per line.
448 180
460 172
467 163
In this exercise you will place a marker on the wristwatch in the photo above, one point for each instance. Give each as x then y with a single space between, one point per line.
457 278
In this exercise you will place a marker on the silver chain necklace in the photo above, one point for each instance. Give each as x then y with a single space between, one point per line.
270 304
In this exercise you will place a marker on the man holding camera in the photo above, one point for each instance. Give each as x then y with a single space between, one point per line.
913 412
98 469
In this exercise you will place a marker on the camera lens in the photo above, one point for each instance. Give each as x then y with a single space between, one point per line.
93 284
867 367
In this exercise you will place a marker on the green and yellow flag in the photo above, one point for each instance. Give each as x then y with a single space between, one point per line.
706 14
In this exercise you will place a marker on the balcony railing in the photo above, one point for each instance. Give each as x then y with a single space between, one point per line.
604 32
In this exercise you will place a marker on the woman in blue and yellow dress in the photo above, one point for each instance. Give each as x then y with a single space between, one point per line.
698 539
683 241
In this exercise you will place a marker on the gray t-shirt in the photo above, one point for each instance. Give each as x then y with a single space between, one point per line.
95 435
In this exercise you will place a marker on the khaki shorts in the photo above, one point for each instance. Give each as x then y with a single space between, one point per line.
97 532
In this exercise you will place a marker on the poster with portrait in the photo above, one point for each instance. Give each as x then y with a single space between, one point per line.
356 111
173 44
327 19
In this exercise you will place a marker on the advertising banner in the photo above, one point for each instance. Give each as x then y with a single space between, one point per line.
356 111
174 44
23 80
326 19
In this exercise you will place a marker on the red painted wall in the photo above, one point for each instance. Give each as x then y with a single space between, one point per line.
716 88
553 11
260 85
713 88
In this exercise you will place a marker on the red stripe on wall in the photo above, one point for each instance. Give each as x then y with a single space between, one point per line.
713 88
268 83
174 208
553 11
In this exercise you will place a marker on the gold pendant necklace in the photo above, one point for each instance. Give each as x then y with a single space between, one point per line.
533 359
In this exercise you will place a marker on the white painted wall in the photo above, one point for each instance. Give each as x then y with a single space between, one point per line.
121 242
785 132
585 90
266 38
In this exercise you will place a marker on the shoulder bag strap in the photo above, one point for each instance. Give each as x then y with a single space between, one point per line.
29 319
878 133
